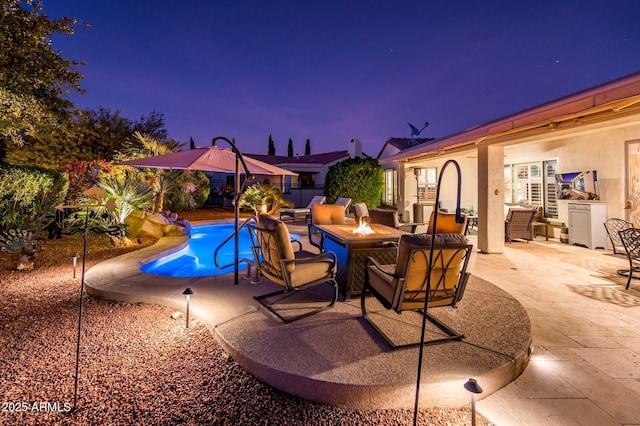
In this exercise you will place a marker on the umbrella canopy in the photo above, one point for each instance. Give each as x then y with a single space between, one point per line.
210 159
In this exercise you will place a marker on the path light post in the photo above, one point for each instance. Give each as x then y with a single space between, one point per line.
188 292
473 387
74 258
95 198
459 219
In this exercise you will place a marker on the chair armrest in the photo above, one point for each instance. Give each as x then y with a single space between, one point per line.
371 261
324 256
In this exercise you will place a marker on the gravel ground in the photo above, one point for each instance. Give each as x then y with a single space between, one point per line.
137 364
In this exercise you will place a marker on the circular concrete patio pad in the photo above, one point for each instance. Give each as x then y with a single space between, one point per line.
335 357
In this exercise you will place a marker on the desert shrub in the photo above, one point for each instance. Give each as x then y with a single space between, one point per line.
83 174
28 195
190 189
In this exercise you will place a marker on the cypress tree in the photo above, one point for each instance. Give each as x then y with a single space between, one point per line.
272 147
290 148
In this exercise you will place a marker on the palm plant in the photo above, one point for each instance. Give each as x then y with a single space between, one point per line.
261 196
161 181
130 194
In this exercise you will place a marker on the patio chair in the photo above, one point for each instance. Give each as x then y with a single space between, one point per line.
403 286
381 216
631 241
517 225
323 214
613 227
344 202
446 223
294 271
297 214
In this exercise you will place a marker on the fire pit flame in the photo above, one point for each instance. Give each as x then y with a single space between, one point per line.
363 229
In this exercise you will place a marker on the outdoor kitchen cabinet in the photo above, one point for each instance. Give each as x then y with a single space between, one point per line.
586 224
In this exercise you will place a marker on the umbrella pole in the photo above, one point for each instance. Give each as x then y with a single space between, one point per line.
236 197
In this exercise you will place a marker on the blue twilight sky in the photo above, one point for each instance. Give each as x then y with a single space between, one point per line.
332 70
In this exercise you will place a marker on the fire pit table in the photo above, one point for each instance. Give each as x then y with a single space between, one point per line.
352 250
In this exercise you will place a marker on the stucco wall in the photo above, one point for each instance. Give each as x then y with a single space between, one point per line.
601 148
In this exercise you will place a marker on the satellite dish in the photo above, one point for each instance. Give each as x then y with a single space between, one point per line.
415 131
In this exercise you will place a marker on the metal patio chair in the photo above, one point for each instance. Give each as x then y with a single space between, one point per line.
613 227
403 286
631 241
294 271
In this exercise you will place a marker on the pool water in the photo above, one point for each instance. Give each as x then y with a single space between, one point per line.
196 258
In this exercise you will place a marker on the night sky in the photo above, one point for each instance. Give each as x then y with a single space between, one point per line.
333 70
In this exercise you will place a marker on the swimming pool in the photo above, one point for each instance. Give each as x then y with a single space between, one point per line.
196 258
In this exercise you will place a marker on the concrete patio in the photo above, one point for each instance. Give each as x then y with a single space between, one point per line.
584 368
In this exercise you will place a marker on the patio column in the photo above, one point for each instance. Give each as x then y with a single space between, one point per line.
490 198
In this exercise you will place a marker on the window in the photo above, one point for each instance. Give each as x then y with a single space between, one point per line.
427 181
389 192
532 183
523 184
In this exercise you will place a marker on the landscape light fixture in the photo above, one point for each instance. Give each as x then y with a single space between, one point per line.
74 258
188 292
473 387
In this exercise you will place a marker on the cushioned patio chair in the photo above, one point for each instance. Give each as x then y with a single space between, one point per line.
613 227
294 271
344 202
446 223
517 225
324 214
387 217
631 241
403 286
302 213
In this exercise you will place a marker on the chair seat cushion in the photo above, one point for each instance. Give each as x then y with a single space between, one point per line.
305 273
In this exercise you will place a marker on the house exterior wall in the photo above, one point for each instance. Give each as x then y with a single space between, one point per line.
601 147
448 188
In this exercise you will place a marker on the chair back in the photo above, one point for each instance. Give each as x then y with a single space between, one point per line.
327 214
451 254
317 199
613 227
446 223
323 214
360 211
630 238
518 223
344 202
386 217
274 241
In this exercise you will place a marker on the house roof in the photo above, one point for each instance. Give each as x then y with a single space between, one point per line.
610 99
403 143
312 159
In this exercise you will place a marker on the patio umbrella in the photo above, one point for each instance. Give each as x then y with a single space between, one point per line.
212 159
209 159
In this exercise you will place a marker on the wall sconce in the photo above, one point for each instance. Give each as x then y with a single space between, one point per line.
188 292
473 387
74 258
417 171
